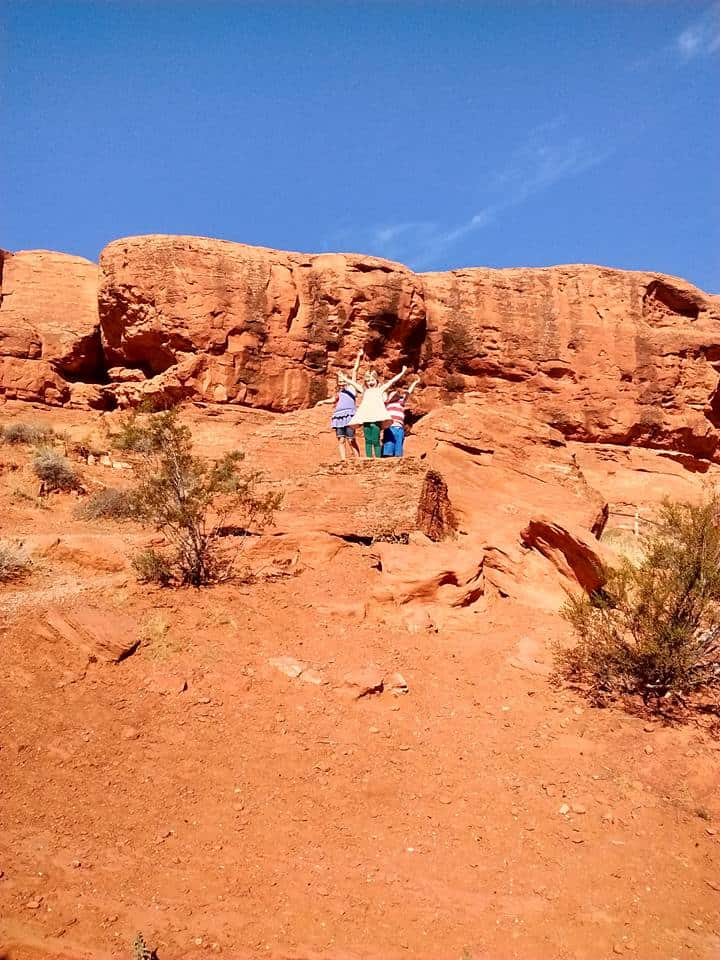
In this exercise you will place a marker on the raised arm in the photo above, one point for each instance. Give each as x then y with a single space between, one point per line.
351 381
398 376
413 385
356 365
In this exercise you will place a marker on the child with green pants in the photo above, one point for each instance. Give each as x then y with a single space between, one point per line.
372 412
371 432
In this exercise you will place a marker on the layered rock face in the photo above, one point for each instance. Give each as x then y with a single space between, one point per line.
49 325
226 322
602 355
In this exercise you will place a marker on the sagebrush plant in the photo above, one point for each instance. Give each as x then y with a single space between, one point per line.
153 567
13 563
191 500
54 470
108 503
29 433
654 628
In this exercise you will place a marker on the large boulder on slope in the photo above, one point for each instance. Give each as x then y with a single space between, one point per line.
49 326
603 355
229 322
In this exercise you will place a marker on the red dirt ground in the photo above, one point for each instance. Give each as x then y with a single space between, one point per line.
255 815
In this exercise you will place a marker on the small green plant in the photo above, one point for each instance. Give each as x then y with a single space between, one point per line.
153 567
53 470
13 563
107 504
191 501
27 433
653 629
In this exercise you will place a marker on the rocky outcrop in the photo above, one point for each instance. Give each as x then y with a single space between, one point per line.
227 322
49 325
600 355
603 355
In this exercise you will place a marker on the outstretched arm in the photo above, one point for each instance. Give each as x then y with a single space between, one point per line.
413 385
356 365
398 376
344 378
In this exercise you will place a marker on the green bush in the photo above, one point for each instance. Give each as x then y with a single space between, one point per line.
20 432
53 470
13 563
653 629
108 503
191 500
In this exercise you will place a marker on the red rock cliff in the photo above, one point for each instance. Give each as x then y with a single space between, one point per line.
608 355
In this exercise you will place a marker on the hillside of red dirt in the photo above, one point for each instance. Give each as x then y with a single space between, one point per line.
222 798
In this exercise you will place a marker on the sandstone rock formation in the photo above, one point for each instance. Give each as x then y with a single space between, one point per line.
49 326
602 355
223 321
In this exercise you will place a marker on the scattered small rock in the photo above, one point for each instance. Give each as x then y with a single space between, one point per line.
363 682
34 904
291 667
129 733
313 676
578 808
649 750
76 864
397 685
564 810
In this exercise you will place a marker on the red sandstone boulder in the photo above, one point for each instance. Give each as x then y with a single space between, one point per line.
49 327
603 355
228 322
576 554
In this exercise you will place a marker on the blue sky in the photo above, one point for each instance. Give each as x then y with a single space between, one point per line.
439 134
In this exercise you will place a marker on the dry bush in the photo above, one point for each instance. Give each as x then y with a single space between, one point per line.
54 470
108 503
458 344
454 383
30 433
653 630
191 500
13 563
153 567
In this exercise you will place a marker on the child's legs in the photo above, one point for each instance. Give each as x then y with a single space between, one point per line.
372 439
388 449
399 440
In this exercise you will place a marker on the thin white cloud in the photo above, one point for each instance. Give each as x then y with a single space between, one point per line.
531 169
702 36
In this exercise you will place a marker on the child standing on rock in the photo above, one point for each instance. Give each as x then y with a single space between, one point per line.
345 408
394 435
372 413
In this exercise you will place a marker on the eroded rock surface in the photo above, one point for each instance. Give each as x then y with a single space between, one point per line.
49 325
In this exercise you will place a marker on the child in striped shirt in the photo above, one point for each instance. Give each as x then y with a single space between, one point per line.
394 435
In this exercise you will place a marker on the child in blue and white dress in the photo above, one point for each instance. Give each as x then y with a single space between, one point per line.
345 408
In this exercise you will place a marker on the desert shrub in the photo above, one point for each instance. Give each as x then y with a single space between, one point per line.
153 567
654 627
454 383
458 344
13 563
53 470
108 503
21 432
191 500
131 434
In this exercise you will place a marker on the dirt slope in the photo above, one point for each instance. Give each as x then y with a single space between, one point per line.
197 793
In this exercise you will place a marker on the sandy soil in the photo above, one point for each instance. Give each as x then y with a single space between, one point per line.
197 794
